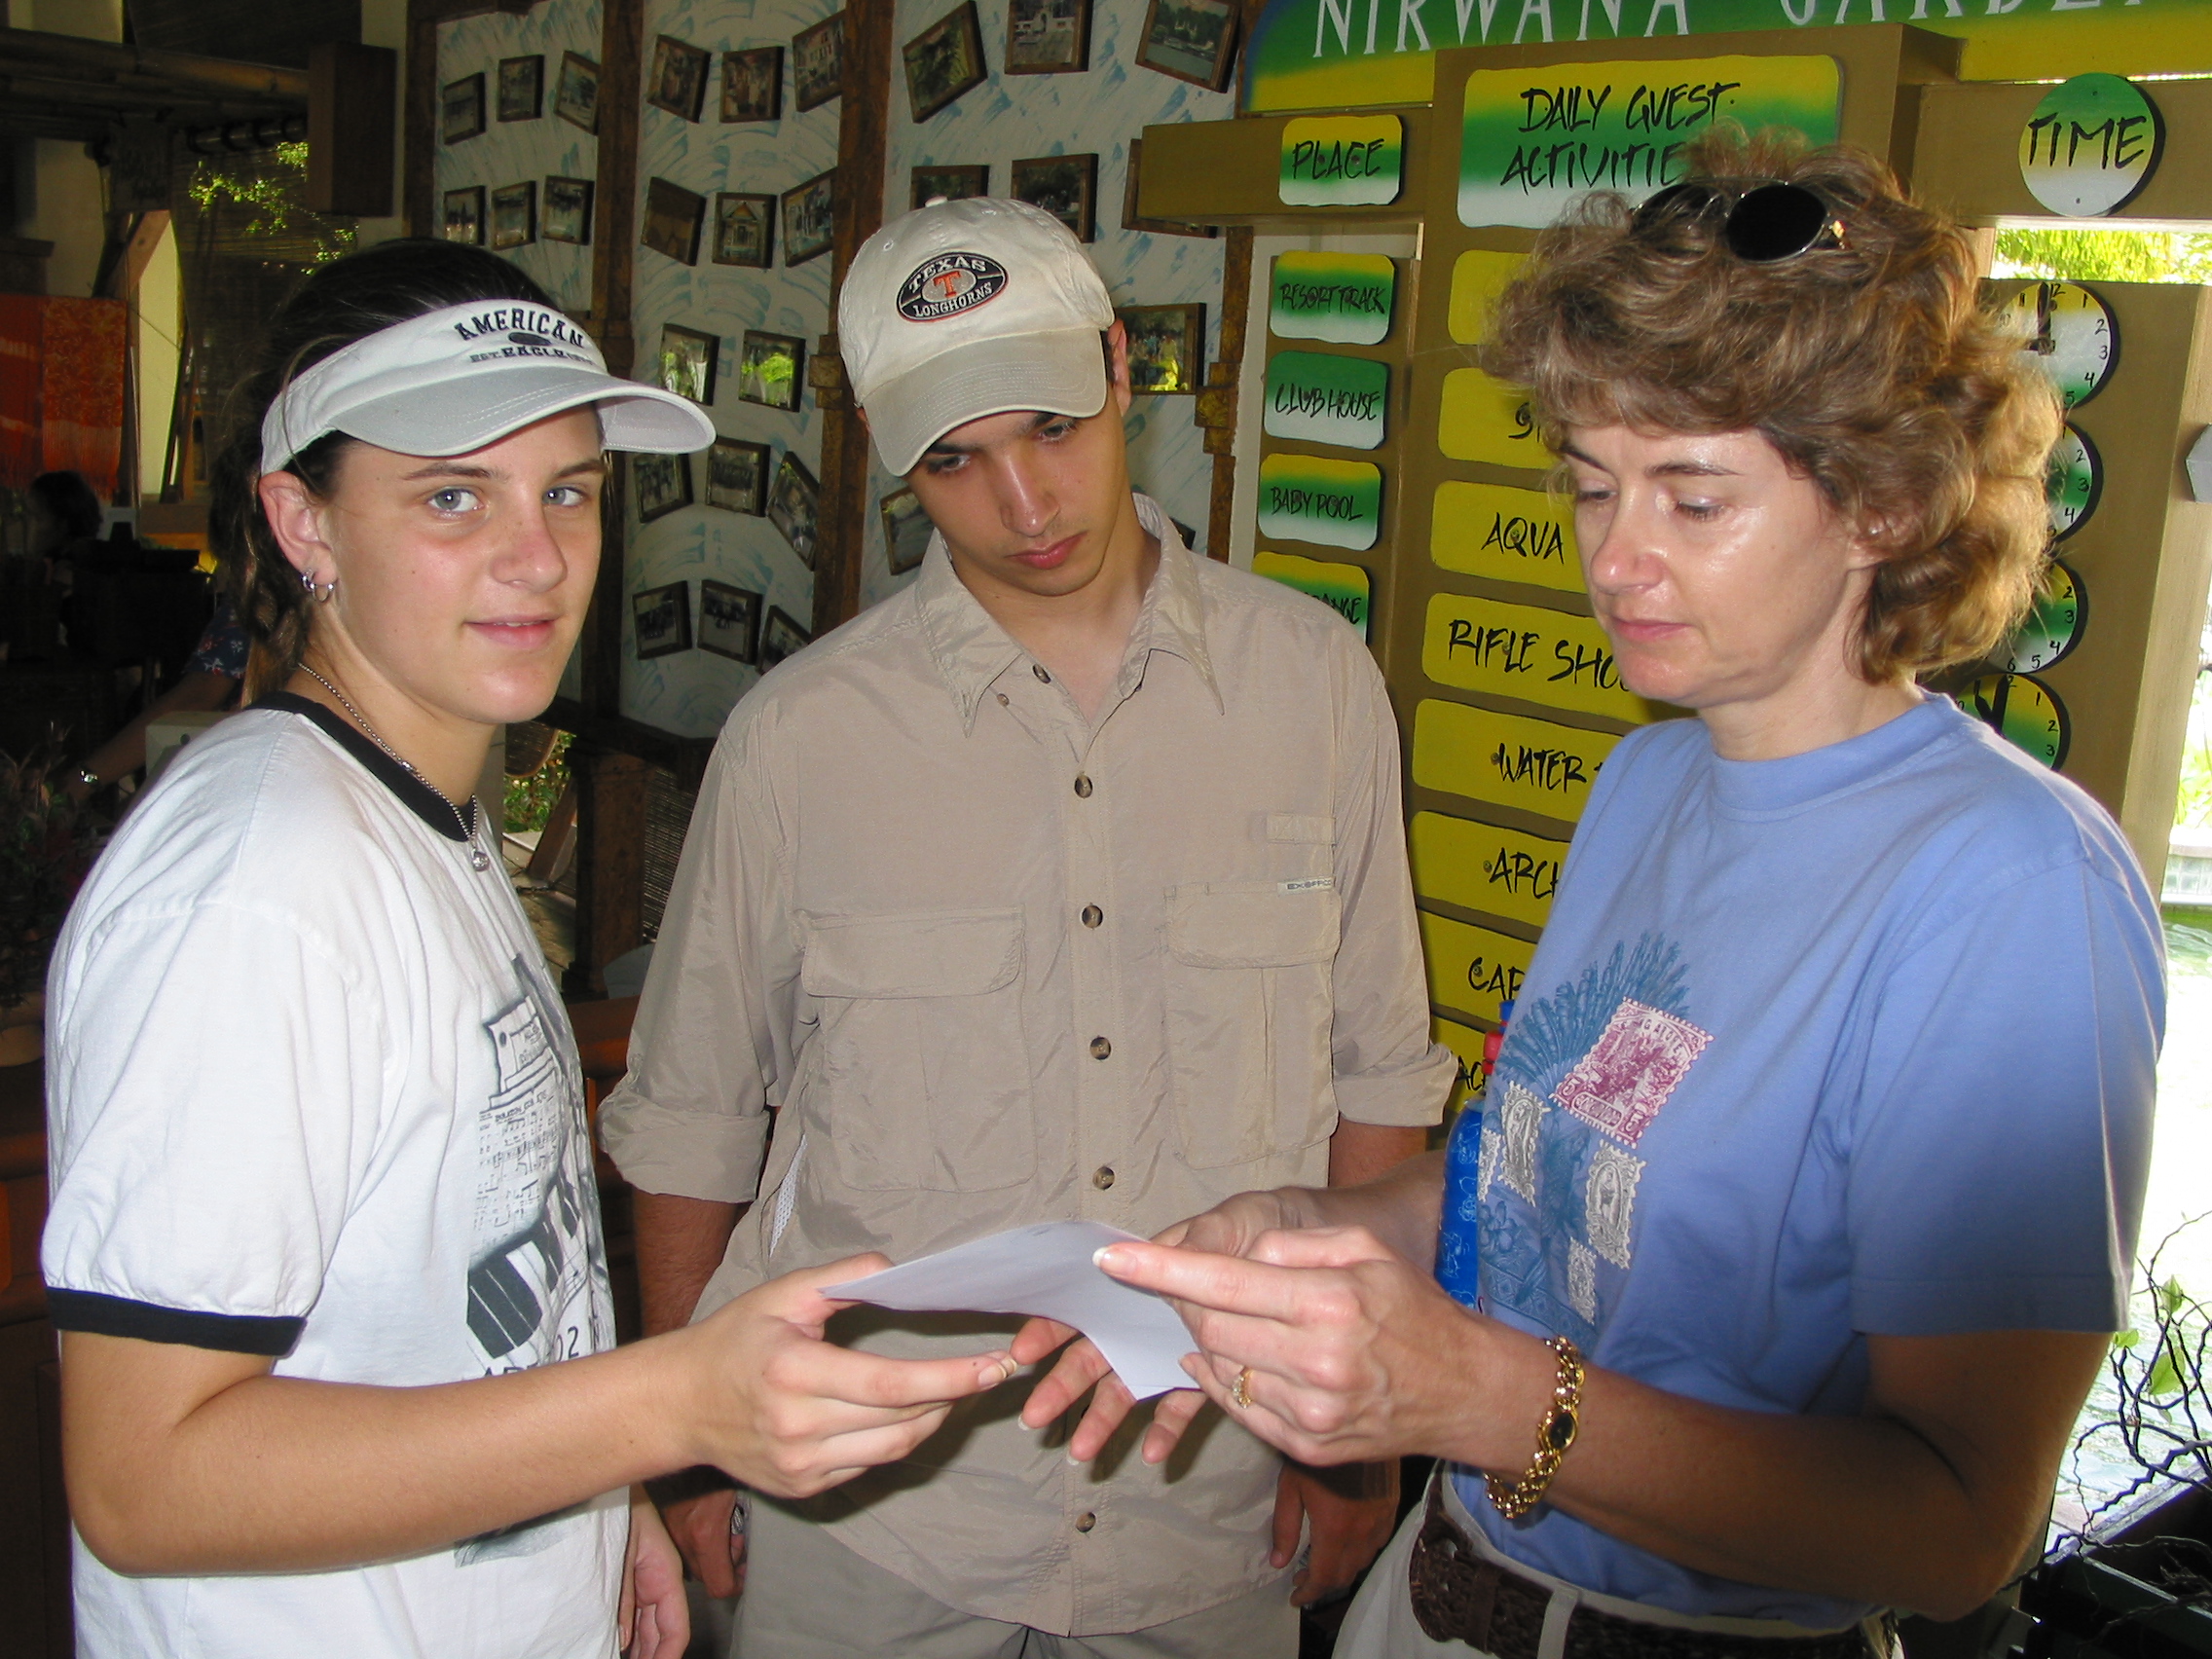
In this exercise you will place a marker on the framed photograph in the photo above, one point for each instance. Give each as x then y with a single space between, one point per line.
575 99
794 508
1066 187
1047 37
730 621
949 183
810 226
514 214
662 483
770 369
1130 221
686 365
745 229
662 618
752 83
673 215
907 529
568 210
522 88
818 62
679 80
465 215
463 108
779 638
1191 40
737 477
944 60
1168 347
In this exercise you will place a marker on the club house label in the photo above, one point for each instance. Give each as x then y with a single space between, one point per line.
1322 398
949 284
1307 497
1342 160
1342 298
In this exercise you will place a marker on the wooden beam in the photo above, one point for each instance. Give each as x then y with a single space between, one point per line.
142 69
1967 155
614 263
685 757
419 123
351 89
610 870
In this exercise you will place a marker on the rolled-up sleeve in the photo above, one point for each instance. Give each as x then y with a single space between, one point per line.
1388 1070
708 1052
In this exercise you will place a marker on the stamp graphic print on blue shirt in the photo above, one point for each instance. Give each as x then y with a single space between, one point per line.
1584 1072
536 1291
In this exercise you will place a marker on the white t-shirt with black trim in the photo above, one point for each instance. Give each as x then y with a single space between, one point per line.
311 1094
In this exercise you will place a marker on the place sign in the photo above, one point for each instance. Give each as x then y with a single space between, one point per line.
2090 146
1483 867
1344 589
1472 969
1515 760
1505 533
1323 398
1343 161
1342 298
1538 655
1533 140
1310 497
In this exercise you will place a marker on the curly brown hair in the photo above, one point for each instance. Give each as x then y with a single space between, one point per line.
1873 369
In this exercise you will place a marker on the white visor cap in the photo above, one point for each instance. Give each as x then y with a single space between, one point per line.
968 309
452 380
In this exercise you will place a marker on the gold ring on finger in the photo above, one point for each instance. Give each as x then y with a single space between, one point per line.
1241 1393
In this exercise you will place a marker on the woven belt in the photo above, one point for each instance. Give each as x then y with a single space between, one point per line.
1460 1595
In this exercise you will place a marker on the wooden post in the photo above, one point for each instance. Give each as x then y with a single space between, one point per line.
610 874
614 261
419 122
350 97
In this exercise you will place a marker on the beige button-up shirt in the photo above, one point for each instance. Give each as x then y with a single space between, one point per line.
983 961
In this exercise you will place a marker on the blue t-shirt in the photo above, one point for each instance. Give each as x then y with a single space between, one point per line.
1862 1039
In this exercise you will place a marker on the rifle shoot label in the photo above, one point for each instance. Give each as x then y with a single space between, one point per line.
1538 655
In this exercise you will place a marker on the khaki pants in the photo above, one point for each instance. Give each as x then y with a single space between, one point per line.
808 1597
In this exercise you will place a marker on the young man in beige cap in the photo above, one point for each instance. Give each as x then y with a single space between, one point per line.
1068 883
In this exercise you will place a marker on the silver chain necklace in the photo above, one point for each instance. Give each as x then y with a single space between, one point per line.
478 857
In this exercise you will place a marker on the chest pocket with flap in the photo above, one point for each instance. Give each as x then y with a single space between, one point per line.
1248 1016
924 1078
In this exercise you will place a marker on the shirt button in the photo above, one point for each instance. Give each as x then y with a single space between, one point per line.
1083 786
1100 1047
1086 1521
1038 669
1102 1178
1092 916
1002 700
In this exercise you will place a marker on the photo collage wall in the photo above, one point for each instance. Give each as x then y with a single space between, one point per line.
738 136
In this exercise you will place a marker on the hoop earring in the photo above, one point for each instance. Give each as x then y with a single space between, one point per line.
321 595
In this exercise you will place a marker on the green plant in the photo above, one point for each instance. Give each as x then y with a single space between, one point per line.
531 798
45 850
2192 801
269 189
2109 256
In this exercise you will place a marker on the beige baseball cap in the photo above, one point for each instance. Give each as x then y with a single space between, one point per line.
968 309
452 380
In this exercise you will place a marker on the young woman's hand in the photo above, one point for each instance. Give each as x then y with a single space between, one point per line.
768 1402
654 1621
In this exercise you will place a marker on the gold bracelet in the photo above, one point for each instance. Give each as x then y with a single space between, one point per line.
1562 1420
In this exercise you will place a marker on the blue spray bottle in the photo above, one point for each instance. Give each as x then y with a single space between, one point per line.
1459 1259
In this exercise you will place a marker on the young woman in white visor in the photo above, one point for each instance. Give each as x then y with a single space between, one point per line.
323 1215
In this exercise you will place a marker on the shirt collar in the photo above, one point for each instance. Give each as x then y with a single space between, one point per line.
972 650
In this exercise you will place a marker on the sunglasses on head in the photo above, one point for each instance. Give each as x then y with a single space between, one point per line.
1762 220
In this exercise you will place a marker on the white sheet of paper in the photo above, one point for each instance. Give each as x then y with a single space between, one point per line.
1046 1269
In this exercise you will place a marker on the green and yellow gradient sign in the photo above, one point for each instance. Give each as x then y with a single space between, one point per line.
1484 420
1343 161
1310 498
2090 146
1537 766
1322 398
1343 588
1531 140
1508 535
1548 657
1483 867
1472 969
1342 298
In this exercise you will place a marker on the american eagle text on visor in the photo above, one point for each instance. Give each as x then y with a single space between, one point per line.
453 381
968 309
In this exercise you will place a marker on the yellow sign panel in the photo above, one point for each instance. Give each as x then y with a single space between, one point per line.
1472 969
1478 277
1466 1045
1507 759
1484 866
1509 534
1488 420
1525 651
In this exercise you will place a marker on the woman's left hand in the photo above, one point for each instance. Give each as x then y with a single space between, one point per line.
1354 1354
654 1621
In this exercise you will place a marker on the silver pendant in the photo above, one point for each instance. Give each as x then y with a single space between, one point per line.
479 860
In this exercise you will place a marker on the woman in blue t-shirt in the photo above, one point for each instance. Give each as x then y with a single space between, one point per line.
1808 1179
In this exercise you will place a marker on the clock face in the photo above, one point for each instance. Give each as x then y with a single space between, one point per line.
2075 479
2052 626
2024 712
2071 334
